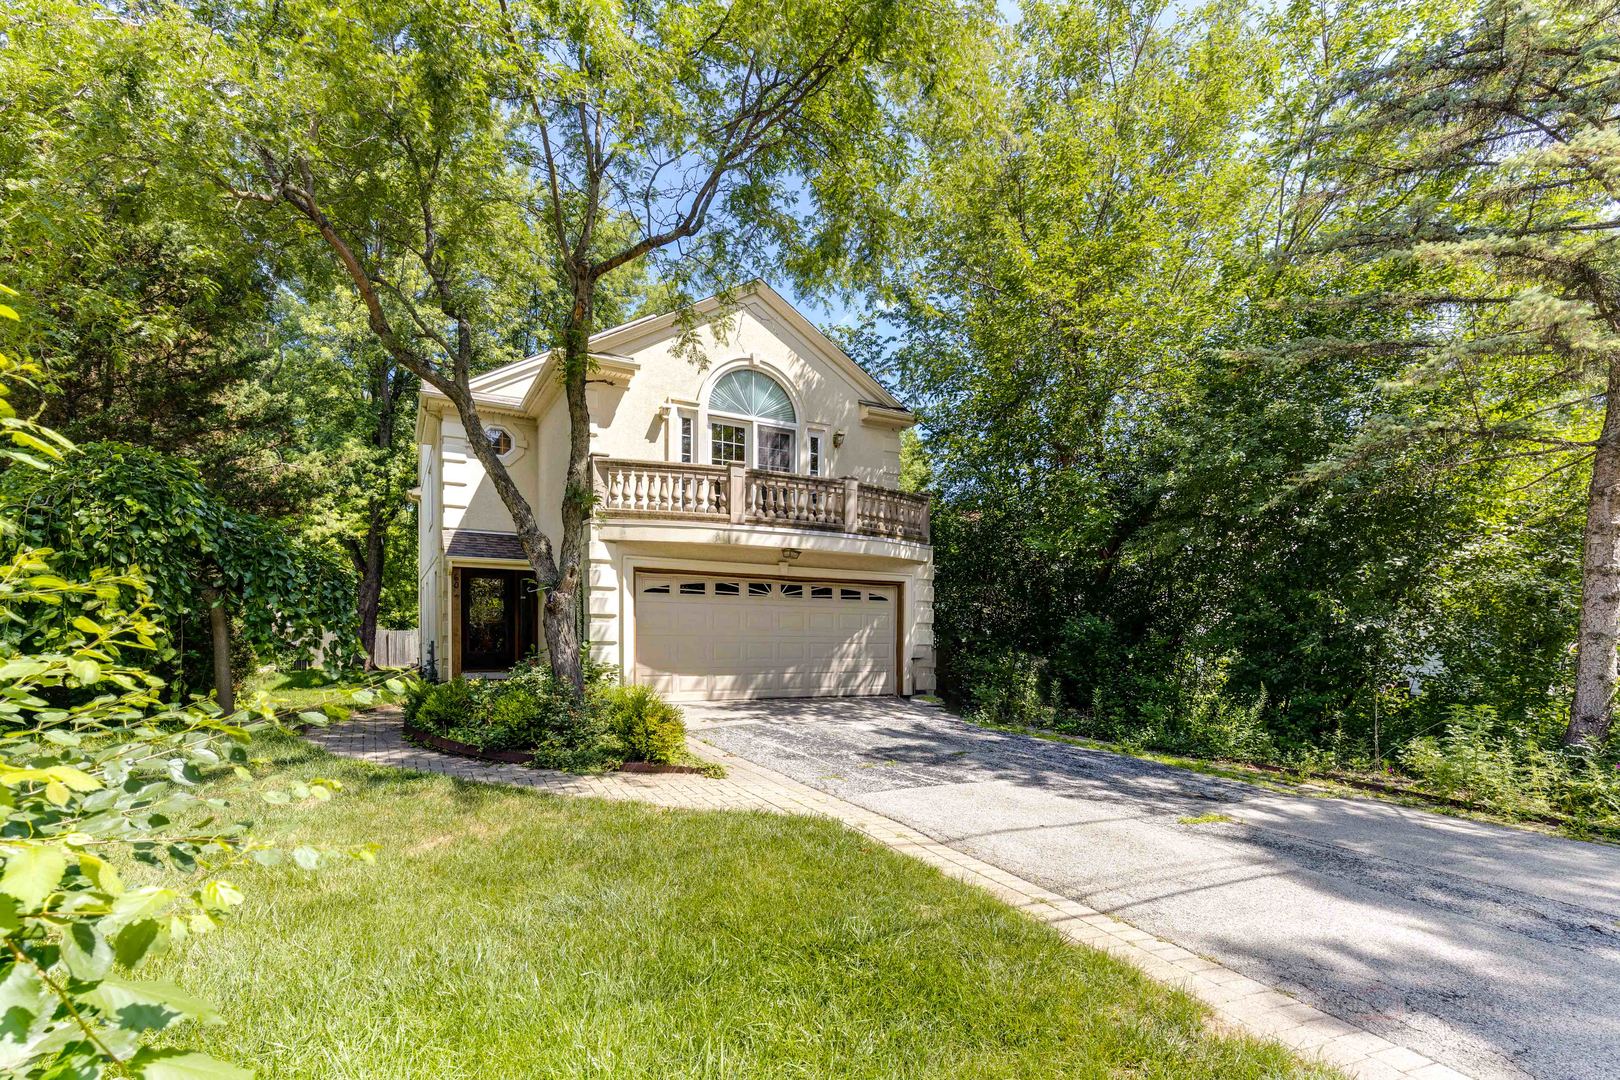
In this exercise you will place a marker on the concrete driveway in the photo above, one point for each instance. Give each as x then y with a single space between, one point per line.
1490 949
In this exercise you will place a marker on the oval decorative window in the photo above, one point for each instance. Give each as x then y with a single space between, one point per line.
753 394
500 439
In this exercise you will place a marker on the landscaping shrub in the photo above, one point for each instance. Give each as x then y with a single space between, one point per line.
415 694
647 727
531 710
445 707
527 710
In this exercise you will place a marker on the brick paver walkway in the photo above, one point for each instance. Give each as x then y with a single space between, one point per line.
1238 1002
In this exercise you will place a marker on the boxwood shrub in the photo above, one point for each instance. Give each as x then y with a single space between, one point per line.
647 727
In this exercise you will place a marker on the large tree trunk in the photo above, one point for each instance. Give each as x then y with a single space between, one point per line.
1595 661
454 385
562 635
219 628
368 595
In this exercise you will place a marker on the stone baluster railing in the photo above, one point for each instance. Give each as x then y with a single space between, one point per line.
757 497
661 489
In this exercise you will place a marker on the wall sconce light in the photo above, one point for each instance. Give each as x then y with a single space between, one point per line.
789 554
838 438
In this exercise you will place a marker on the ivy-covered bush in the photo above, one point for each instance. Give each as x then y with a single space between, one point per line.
648 727
99 768
131 508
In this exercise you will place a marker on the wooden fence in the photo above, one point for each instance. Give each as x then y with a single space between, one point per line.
398 648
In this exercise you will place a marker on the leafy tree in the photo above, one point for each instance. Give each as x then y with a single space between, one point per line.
99 771
449 158
355 409
1131 503
1487 155
141 513
1071 266
142 304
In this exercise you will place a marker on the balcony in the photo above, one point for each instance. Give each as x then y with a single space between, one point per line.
738 496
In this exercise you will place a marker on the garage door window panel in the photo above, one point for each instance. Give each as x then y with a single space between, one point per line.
769 639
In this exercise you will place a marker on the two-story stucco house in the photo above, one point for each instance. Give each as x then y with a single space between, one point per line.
749 538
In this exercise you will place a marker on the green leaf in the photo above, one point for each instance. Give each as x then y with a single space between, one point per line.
32 873
309 716
86 952
147 1006
135 941
23 1000
219 895
307 858
184 1065
101 873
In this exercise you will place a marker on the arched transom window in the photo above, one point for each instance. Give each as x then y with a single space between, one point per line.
752 422
754 395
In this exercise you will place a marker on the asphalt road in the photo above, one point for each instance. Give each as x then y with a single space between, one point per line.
1491 949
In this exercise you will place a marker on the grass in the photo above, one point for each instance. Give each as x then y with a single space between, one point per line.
510 933
1312 785
309 689
1211 818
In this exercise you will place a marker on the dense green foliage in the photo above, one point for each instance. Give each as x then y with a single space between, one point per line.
136 510
1210 469
531 709
647 727
167 318
519 934
100 771
145 315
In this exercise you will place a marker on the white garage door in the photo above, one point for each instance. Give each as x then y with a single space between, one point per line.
702 637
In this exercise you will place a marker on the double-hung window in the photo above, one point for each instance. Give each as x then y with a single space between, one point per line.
728 443
775 449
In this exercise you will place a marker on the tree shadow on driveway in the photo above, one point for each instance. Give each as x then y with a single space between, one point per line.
1491 948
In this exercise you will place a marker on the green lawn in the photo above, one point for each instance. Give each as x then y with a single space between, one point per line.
505 933
310 689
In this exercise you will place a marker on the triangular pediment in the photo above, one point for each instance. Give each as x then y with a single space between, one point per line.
524 382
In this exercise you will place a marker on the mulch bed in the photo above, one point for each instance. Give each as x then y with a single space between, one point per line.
523 757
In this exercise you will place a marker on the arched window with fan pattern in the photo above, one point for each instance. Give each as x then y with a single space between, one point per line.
753 422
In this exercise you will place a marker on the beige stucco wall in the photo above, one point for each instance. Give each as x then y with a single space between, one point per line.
631 422
470 500
634 421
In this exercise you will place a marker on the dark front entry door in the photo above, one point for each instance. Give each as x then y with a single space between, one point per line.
500 612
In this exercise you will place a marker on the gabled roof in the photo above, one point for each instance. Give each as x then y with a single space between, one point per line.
520 385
